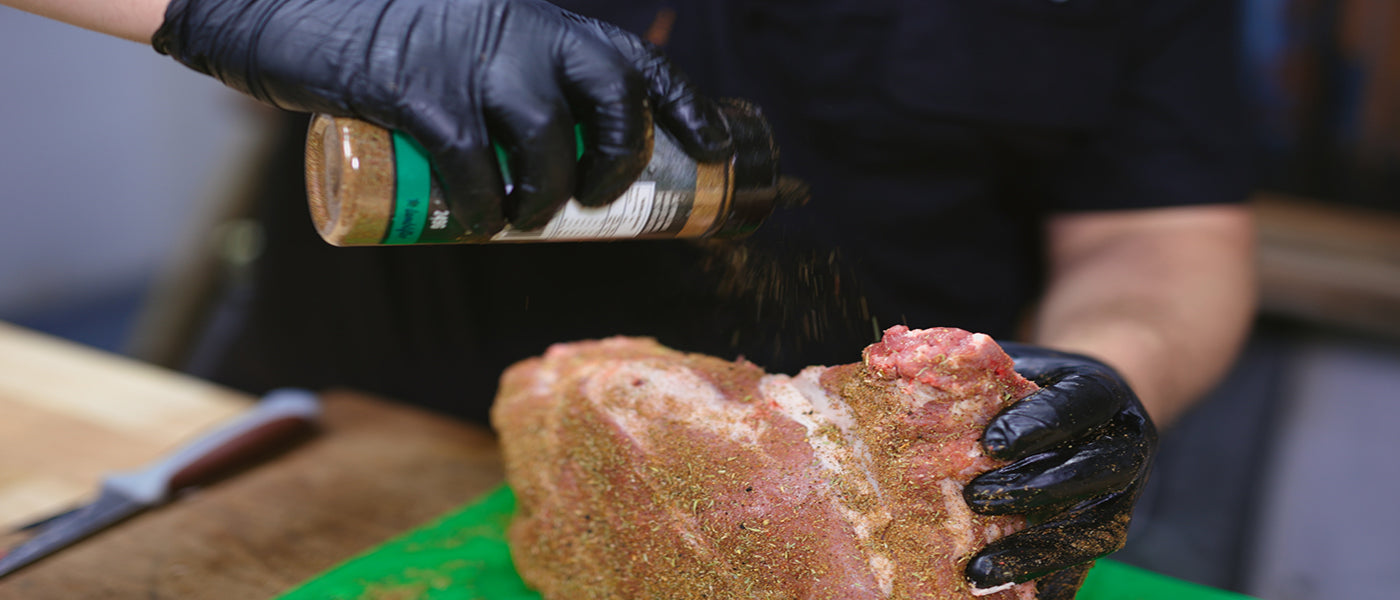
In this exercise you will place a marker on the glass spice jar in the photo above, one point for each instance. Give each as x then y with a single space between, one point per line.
367 185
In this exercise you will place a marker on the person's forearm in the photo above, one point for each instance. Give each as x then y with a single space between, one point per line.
1164 296
135 20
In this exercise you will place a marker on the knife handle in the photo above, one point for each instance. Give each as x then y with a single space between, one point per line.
279 416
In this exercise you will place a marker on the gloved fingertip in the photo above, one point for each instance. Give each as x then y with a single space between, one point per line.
483 225
988 499
532 220
997 439
603 180
477 209
1035 423
986 572
593 200
595 196
713 141
700 129
716 131
529 208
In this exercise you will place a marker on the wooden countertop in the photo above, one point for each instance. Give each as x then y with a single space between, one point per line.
375 470
1332 265
69 414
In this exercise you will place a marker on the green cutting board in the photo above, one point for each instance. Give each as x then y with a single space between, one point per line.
463 556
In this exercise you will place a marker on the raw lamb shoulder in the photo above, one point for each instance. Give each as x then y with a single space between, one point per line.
642 472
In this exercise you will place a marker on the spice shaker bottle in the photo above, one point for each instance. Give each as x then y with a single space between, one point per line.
367 185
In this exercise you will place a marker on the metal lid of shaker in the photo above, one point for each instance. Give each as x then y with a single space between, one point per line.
758 186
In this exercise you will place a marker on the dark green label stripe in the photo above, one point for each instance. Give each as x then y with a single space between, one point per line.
413 183
413 180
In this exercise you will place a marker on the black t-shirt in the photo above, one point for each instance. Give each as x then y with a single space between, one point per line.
937 135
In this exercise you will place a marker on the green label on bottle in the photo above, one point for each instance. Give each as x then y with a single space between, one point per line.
413 182
420 214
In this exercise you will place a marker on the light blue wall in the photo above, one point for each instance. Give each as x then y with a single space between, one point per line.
107 152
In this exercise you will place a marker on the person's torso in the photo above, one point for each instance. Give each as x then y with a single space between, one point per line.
922 126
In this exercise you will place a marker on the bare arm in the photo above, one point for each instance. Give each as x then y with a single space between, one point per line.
1165 296
135 20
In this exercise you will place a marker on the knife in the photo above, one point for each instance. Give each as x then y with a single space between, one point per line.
280 416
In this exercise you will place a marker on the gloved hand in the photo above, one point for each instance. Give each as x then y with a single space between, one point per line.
455 75
1082 447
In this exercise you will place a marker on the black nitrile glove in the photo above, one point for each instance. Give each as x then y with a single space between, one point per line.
455 75
1082 447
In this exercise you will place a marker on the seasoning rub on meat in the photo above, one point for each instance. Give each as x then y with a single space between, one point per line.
643 472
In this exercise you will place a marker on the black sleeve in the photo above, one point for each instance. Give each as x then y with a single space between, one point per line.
1179 133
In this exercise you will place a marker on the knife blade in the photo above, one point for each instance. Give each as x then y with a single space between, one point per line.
279 416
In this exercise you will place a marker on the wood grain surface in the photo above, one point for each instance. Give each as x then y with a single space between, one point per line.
1332 265
69 414
375 470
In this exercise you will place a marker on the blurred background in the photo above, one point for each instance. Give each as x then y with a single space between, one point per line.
125 174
